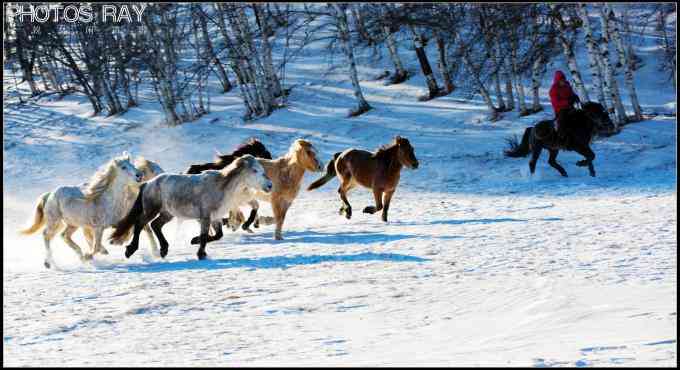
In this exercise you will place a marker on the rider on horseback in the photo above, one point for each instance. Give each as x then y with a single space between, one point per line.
563 99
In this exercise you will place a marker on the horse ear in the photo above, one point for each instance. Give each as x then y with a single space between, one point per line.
126 155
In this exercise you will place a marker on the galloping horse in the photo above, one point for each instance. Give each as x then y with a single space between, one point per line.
581 125
205 197
253 147
378 171
94 206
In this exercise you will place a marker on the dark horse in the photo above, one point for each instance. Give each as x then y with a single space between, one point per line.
253 147
581 125
378 171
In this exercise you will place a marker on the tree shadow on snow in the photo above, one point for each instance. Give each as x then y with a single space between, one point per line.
269 262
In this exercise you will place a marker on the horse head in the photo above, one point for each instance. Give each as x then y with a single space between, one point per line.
307 155
123 165
406 153
598 114
254 176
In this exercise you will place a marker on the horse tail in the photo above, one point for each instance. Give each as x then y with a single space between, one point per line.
38 217
520 149
330 173
122 228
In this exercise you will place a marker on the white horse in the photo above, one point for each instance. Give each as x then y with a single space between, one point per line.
205 197
94 206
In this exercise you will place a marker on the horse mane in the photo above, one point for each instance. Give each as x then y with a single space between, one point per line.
147 167
141 163
100 181
232 171
385 150
240 150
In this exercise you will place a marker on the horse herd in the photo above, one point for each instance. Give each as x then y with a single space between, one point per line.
132 196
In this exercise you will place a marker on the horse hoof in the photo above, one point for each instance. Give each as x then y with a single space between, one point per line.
87 257
130 250
164 252
201 256
369 210
47 264
249 231
195 240
103 251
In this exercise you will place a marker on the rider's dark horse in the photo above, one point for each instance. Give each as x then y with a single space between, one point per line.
580 126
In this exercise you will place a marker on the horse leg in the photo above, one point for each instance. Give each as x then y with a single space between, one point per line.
387 199
253 216
153 247
217 227
98 233
535 153
377 194
156 226
66 236
585 151
345 187
48 234
205 227
552 161
280 208
89 236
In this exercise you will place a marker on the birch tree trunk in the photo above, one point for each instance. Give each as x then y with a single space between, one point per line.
443 65
668 46
495 58
419 46
207 44
508 85
593 56
626 60
359 24
268 62
400 74
493 111
346 41
536 74
610 81
516 76
568 49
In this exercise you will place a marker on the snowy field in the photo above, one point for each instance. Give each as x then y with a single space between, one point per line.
481 264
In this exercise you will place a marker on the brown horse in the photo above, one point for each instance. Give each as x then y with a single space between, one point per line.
378 171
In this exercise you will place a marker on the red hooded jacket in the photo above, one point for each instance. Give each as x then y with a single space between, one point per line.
561 95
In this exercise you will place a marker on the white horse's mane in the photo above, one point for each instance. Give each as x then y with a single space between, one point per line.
102 180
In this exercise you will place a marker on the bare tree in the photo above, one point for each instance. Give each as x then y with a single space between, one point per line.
626 59
593 55
610 82
346 41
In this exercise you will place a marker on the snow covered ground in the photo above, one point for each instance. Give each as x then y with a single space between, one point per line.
481 264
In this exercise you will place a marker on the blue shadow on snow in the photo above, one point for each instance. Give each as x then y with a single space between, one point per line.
268 262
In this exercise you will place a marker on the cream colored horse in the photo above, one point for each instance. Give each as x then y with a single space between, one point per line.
94 206
286 173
